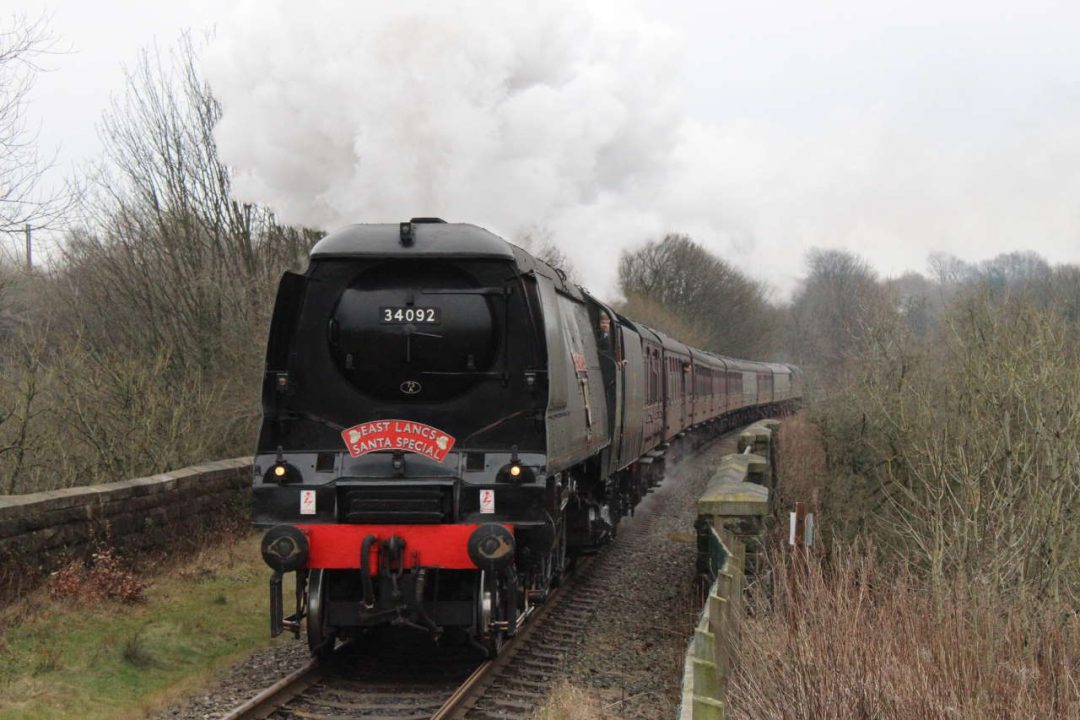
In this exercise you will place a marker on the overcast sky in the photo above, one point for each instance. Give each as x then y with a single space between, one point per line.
889 128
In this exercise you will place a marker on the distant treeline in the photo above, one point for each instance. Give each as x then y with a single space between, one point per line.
940 455
140 348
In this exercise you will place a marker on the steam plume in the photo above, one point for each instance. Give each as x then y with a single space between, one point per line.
565 117
560 114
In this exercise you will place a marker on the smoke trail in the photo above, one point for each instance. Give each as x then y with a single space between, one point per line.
565 117
559 114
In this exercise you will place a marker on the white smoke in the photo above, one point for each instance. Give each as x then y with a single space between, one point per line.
560 114
567 117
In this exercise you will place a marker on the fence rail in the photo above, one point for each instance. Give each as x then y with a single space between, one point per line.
730 522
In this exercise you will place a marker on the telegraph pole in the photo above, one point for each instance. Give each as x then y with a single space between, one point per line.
29 250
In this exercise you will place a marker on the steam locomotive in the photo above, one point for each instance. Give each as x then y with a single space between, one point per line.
447 420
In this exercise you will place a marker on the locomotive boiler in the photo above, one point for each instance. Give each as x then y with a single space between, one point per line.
447 420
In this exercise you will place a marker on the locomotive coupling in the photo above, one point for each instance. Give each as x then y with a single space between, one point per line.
285 548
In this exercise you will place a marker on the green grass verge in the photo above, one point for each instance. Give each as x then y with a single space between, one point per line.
102 659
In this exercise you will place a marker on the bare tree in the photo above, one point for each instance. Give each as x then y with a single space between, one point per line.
720 305
1066 292
23 201
185 266
917 300
20 390
948 269
645 310
157 313
838 311
540 242
977 447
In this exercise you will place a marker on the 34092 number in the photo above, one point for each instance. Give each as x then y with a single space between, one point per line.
409 315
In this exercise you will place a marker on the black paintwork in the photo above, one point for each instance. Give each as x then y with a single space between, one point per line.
514 366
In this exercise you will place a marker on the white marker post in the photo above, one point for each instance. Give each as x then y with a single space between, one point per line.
797 531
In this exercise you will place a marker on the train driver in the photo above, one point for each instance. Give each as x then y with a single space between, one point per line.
605 330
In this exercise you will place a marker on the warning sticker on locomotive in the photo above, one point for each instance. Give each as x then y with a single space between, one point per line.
307 502
487 501
579 362
402 435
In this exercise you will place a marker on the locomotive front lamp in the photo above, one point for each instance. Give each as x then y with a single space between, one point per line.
282 472
515 472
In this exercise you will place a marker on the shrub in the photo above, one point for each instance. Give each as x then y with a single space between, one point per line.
104 577
961 455
848 638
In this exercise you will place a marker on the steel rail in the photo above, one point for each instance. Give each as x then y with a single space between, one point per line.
293 685
458 704
463 691
277 694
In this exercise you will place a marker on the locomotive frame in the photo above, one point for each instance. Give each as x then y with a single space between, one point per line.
446 420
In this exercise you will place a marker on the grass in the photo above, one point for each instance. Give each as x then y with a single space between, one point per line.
102 659
570 702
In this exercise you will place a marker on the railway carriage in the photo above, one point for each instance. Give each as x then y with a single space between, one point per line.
446 420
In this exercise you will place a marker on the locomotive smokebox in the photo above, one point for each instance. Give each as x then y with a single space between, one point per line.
413 330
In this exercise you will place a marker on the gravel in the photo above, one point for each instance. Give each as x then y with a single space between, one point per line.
240 682
632 651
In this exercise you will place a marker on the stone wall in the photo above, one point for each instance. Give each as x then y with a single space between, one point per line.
731 518
41 531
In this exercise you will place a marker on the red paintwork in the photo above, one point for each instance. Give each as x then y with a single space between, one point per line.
337 547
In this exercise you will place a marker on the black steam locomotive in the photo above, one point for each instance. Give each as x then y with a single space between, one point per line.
447 420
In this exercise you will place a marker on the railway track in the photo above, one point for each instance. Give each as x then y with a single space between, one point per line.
399 676
411 678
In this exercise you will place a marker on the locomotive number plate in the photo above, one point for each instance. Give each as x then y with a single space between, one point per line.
418 315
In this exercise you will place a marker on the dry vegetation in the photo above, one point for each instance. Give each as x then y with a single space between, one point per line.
140 350
961 453
103 577
569 702
848 638
942 458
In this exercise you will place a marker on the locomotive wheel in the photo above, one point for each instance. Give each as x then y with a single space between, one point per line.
321 636
489 609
